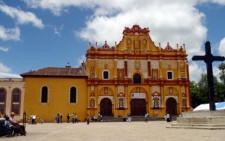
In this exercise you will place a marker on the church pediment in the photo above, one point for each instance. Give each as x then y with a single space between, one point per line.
136 40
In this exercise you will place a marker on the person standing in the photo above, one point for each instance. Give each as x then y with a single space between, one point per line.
60 117
57 118
88 120
73 118
68 118
168 117
129 117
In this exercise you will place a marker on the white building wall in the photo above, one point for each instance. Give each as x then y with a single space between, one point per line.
9 84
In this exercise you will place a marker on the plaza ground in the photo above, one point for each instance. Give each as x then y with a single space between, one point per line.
115 131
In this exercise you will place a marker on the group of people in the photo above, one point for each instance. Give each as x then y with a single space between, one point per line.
59 118
94 119
99 118
73 116
12 125
129 118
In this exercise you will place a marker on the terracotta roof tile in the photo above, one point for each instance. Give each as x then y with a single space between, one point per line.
55 71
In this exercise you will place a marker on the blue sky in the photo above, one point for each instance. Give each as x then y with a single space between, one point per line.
49 33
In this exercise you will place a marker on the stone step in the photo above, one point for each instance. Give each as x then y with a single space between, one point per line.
201 120
204 113
133 118
198 127
211 125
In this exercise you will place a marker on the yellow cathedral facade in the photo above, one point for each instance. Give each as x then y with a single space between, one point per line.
132 77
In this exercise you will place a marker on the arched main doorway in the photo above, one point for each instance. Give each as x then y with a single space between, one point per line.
171 106
106 107
138 107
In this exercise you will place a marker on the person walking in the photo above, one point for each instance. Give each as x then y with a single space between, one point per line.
75 118
146 117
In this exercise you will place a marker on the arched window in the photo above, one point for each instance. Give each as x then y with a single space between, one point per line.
170 75
137 78
105 75
2 100
16 101
73 95
44 95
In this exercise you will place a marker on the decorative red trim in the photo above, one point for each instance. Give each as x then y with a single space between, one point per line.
91 108
4 99
189 89
121 108
125 67
58 77
136 29
130 82
19 100
149 68
135 56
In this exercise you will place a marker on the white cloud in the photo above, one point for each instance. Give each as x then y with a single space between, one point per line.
9 75
4 49
221 2
216 73
80 60
57 6
21 16
5 72
4 68
195 71
58 30
222 47
173 21
10 33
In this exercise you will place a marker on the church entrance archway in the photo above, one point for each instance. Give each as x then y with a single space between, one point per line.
138 107
171 106
106 107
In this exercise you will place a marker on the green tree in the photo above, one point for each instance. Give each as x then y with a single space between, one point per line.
199 91
222 73
195 96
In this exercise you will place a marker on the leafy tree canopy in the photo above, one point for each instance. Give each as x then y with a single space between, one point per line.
199 90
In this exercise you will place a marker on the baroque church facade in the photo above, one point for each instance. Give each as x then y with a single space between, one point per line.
132 77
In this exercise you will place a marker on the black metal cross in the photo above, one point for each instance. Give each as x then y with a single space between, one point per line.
208 59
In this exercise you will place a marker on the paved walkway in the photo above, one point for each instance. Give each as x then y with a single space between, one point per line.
116 131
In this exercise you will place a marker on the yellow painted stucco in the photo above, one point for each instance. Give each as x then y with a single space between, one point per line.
58 97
